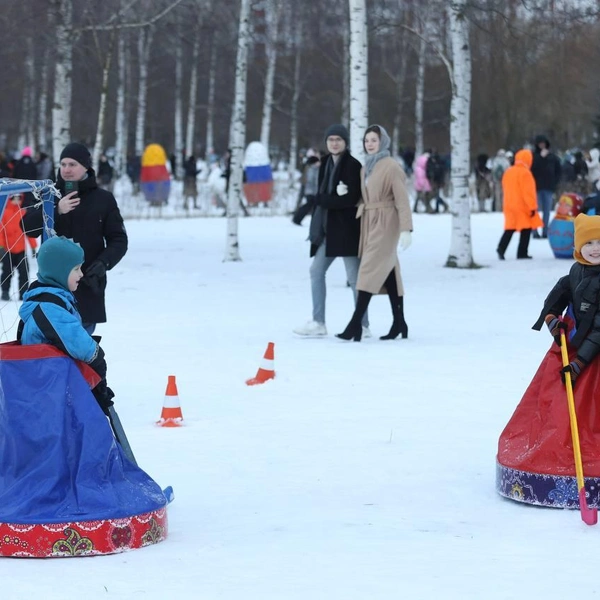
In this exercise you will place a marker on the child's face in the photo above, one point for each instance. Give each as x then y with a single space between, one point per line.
591 252
74 276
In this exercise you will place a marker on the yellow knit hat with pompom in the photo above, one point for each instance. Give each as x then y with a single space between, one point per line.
587 228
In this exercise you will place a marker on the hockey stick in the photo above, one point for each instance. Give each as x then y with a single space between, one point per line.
120 436
588 515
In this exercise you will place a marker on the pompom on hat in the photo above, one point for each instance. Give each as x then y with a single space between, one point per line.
77 152
26 151
57 257
587 228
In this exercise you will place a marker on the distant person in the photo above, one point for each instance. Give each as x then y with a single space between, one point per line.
334 228
190 183
421 183
386 221
90 216
44 167
520 204
546 172
105 173
310 187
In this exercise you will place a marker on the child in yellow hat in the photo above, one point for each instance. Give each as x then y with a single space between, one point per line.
535 462
580 290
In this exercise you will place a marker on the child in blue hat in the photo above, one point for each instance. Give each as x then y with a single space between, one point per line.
49 312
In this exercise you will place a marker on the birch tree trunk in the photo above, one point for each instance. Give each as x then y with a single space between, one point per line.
190 147
359 81
294 107
144 42
273 10
461 254
42 136
120 129
396 134
178 112
62 14
238 135
210 102
346 77
419 97
99 143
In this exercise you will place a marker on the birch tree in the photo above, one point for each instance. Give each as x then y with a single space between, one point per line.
190 146
108 54
120 117
461 254
145 37
238 135
295 101
359 83
178 112
210 101
62 16
273 11
419 96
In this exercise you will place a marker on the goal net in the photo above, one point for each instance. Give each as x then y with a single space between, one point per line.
18 246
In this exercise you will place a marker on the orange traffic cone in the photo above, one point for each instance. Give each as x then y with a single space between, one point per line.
171 413
266 370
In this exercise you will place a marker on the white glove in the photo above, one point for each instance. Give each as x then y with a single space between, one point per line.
341 189
405 239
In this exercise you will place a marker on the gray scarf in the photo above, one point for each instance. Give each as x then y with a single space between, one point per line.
384 152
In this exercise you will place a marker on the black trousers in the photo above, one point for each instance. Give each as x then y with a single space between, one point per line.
10 262
523 242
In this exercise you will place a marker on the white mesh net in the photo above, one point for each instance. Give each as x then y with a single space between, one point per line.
18 246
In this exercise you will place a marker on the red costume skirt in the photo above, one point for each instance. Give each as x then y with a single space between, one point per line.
535 462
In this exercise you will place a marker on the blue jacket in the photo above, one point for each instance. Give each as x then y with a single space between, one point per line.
55 325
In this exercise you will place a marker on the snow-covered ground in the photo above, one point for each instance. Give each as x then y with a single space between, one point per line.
363 471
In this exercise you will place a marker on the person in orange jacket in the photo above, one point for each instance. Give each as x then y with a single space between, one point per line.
12 243
520 204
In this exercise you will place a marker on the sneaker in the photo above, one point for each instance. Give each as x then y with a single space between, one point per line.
311 329
366 333
5 296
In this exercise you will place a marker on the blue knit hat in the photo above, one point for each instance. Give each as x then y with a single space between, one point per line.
57 257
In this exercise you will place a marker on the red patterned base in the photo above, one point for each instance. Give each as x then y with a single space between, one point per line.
83 538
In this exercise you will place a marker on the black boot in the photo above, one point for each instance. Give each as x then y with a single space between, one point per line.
353 330
399 325
503 244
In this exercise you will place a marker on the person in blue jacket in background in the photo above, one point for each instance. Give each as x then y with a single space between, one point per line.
49 311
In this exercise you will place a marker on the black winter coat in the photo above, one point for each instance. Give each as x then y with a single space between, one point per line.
342 228
581 288
545 171
96 224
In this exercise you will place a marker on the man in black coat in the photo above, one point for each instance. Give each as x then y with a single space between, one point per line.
89 216
334 228
546 172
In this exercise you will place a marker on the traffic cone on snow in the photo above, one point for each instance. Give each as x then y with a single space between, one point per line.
171 413
266 370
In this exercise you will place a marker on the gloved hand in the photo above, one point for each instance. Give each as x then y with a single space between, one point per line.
93 276
574 367
555 325
99 363
405 239
341 189
104 396
532 213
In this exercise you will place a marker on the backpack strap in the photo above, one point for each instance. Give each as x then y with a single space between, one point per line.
41 320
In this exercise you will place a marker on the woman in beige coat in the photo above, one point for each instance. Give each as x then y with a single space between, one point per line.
386 221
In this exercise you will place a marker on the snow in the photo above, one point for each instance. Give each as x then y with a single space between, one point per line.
363 471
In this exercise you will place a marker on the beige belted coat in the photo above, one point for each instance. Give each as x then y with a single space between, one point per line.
385 212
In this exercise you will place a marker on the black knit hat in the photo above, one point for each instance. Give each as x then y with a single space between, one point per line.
77 152
338 130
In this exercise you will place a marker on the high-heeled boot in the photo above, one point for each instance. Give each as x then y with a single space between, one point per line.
353 330
399 325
